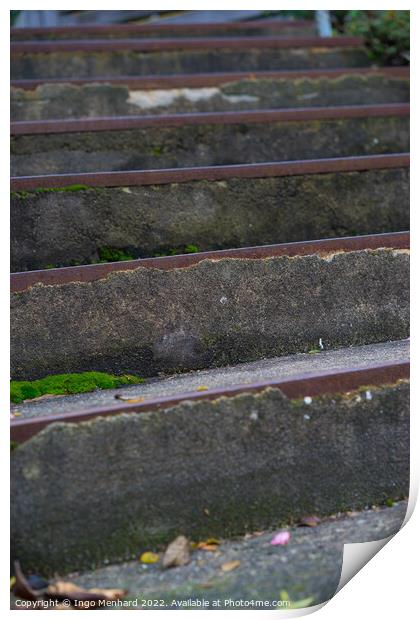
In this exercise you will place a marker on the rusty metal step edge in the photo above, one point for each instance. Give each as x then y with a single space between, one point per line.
110 123
308 384
166 176
88 29
21 281
200 43
199 80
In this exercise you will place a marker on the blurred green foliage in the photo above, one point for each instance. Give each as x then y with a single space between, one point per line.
387 33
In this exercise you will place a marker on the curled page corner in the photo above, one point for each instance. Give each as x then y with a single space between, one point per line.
356 556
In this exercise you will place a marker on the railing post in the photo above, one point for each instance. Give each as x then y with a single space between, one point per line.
323 22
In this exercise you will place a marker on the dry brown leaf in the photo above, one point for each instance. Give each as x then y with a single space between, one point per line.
177 553
129 399
43 397
64 587
228 566
205 547
111 594
72 590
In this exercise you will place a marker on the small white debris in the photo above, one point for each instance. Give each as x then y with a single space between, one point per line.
306 417
321 346
253 416
223 300
358 399
307 400
369 395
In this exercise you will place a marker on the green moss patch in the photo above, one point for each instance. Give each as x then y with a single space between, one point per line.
110 255
186 249
68 384
47 190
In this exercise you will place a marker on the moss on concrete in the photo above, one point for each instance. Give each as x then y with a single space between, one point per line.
76 383
153 220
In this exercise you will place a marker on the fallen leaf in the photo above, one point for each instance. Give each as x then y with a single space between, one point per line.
212 541
63 587
281 538
15 414
148 557
12 582
210 544
110 594
206 511
204 547
30 589
300 604
128 399
310 521
202 388
43 397
228 566
177 553
73 592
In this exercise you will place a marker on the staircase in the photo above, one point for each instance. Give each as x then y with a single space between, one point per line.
254 178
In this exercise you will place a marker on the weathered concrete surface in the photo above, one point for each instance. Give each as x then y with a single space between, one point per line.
66 101
272 369
104 490
214 313
250 29
206 145
145 221
117 63
309 566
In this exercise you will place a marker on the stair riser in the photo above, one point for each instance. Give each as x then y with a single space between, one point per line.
111 488
214 313
167 31
206 145
117 63
148 220
69 101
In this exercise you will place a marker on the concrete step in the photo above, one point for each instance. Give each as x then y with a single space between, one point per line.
176 386
43 99
208 310
158 29
90 58
309 567
206 467
207 139
148 213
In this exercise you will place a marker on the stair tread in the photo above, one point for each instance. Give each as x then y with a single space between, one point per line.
264 569
263 370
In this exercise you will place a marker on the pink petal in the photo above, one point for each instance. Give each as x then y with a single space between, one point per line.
281 538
